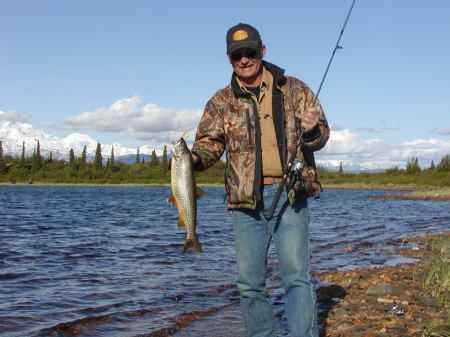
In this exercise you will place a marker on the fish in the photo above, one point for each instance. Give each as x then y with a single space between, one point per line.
185 193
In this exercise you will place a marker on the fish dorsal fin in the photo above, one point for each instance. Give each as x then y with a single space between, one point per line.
172 200
181 223
199 193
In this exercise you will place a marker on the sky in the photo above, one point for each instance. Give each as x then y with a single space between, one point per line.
139 72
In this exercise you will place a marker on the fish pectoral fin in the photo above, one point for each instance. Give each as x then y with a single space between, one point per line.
172 200
181 223
199 193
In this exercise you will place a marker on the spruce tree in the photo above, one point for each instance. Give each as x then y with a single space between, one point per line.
71 158
2 160
164 158
154 160
432 166
83 156
111 159
341 169
412 166
444 164
138 156
98 159
38 157
22 158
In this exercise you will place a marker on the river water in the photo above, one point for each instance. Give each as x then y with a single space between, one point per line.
107 261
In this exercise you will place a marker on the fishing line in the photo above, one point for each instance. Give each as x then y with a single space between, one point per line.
334 52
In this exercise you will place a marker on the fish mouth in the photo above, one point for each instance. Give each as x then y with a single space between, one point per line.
177 150
176 142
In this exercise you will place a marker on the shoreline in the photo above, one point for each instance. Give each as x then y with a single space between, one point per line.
383 301
37 183
412 192
359 302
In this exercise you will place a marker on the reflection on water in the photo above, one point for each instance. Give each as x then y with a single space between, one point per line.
107 261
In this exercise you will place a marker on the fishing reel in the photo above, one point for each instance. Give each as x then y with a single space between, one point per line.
294 174
301 182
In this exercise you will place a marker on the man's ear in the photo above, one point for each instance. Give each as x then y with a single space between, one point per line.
263 51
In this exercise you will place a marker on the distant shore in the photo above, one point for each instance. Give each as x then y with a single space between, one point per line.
37 183
414 192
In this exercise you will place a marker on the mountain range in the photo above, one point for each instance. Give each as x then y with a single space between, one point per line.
14 134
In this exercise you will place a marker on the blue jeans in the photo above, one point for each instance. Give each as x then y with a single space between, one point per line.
289 229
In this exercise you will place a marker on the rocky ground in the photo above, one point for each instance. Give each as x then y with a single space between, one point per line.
385 301
358 303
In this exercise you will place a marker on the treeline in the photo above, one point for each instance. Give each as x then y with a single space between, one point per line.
156 171
412 174
36 168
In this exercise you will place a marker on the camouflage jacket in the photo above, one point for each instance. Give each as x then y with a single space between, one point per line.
230 123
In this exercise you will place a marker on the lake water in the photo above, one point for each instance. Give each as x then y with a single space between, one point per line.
107 261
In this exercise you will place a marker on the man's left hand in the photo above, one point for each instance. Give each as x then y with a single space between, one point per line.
311 119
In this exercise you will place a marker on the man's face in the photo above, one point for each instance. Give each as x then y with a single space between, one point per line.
247 63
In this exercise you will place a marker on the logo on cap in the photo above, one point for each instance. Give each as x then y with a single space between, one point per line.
240 35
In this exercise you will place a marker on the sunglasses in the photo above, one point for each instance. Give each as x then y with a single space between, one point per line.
248 53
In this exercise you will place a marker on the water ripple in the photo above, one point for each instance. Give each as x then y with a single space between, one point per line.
107 261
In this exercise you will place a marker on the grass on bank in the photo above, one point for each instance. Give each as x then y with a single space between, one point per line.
437 284
79 171
386 178
433 193
442 330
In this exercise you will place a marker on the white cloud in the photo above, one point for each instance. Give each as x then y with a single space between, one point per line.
443 132
336 127
131 119
355 151
156 126
368 130
12 116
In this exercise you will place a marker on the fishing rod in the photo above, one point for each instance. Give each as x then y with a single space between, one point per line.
288 170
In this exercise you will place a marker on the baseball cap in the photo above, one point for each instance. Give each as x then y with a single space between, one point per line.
242 36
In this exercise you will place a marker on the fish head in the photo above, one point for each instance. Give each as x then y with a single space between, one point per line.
179 148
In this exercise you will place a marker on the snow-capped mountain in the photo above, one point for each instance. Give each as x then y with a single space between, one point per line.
13 135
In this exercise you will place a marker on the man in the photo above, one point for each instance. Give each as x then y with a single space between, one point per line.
257 120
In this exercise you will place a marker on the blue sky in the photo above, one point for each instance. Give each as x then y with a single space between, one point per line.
140 72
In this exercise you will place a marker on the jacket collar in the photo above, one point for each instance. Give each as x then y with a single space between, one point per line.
277 73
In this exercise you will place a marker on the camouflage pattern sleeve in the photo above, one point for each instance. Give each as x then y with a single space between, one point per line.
209 142
318 137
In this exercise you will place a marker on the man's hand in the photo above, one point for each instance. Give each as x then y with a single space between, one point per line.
311 119
195 159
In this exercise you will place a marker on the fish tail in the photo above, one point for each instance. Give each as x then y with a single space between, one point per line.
192 243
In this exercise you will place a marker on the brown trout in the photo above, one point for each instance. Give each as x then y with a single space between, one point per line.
185 193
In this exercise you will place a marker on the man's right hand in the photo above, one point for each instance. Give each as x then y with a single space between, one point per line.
195 159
